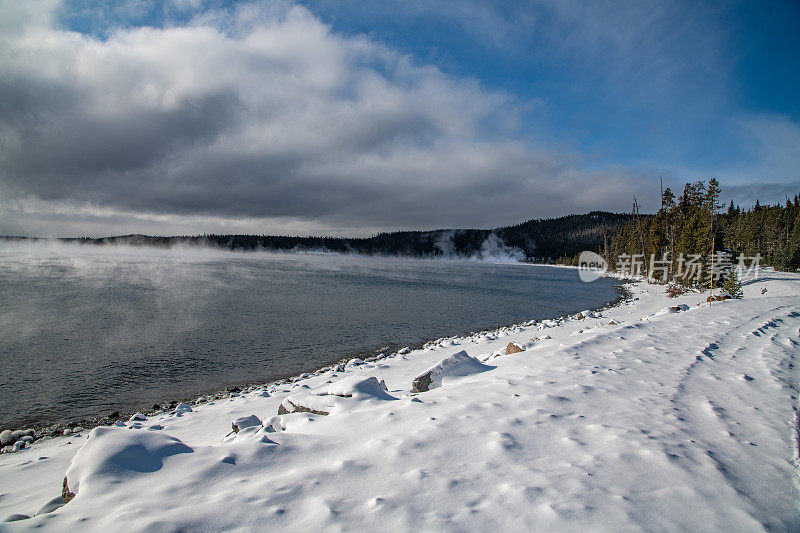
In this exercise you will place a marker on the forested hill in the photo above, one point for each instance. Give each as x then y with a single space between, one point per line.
545 240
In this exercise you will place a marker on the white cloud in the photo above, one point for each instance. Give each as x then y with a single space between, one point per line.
261 117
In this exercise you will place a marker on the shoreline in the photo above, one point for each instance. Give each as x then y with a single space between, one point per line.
50 431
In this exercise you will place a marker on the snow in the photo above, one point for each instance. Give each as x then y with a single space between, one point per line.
683 421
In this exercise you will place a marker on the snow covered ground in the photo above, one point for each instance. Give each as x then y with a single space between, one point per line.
639 419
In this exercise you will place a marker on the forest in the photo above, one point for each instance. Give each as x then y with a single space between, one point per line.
695 225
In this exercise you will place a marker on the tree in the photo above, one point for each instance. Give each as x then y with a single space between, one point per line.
732 285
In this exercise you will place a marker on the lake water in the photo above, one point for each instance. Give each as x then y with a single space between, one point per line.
87 330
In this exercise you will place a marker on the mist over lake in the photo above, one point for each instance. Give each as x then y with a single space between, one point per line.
86 330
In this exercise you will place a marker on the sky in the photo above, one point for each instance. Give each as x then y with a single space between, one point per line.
353 117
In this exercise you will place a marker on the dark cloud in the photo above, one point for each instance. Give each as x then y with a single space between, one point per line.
260 119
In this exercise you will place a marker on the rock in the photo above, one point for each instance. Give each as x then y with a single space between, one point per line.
182 408
274 424
114 416
458 364
6 438
137 417
66 432
51 506
156 407
16 517
245 422
77 430
404 351
27 439
19 445
234 389
18 434
288 407
678 308
513 348
348 393
613 322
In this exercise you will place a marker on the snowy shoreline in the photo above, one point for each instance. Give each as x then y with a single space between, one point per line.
637 416
46 431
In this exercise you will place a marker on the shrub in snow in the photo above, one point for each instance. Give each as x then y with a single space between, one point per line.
458 364
348 393
674 290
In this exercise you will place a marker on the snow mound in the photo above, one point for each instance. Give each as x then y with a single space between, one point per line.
346 394
115 454
457 365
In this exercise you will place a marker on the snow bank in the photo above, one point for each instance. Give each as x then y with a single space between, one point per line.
116 454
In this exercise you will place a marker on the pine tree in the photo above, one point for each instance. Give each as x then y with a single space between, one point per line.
732 285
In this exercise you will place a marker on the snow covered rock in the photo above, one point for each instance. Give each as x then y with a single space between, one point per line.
7 438
113 455
274 424
183 408
348 393
458 364
138 417
245 422
672 309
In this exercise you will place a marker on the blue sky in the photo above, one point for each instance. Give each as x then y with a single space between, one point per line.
576 92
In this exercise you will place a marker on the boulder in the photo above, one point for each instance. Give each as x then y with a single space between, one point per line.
346 394
458 364
138 417
679 308
16 517
245 422
183 408
51 506
7 438
513 348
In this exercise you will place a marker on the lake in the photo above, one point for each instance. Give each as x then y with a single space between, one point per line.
86 330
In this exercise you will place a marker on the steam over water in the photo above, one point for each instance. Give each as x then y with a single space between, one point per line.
88 330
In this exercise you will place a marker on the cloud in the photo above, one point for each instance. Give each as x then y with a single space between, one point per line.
260 118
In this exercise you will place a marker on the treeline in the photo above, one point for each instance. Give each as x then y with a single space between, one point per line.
692 232
540 240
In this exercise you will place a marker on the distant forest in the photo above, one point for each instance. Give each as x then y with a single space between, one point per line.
542 240
686 224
